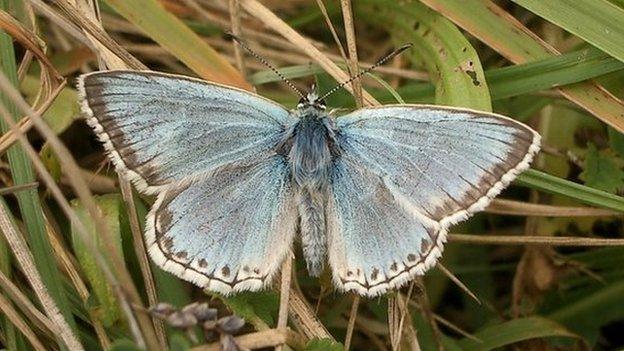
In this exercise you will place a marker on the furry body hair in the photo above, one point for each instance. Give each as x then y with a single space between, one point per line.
310 148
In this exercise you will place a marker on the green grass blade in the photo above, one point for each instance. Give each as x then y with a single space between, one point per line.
592 310
551 72
554 185
177 38
502 334
105 302
530 77
492 25
62 112
28 200
599 22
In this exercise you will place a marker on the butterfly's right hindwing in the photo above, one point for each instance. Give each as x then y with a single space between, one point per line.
160 128
374 245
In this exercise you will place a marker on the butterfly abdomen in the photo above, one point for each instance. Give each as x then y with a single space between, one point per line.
310 160
313 234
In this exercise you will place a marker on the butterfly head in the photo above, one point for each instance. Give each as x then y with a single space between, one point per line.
312 101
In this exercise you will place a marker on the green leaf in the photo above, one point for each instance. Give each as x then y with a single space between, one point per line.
599 22
177 38
587 314
450 59
254 306
513 331
108 308
323 345
601 171
51 162
63 111
616 141
178 342
124 345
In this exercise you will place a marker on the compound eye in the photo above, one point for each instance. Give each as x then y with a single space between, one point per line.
302 101
322 103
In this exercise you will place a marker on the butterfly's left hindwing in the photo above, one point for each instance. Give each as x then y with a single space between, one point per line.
405 174
228 232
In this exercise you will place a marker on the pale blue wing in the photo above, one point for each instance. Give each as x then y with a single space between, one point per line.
229 231
161 128
443 159
375 244
439 164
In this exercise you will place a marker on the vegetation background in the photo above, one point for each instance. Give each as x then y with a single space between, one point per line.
541 269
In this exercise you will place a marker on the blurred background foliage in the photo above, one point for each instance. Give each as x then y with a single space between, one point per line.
540 269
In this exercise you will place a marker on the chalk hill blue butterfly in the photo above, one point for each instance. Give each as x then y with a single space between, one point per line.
238 176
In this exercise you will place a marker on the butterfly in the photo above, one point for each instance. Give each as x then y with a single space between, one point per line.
238 178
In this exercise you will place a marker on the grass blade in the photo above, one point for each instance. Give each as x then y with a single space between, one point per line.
515 80
173 35
555 185
598 308
550 72
513 331
22 173
599 22
491 24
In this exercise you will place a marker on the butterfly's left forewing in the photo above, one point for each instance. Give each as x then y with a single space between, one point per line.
160 129
405 174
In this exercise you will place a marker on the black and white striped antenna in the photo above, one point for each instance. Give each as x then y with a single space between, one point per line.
334 89
265 62
377 64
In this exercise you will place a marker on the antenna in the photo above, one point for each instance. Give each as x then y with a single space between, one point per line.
264 62
377 64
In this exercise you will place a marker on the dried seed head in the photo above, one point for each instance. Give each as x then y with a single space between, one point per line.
181 320
201 311
228 343
230 324
162 310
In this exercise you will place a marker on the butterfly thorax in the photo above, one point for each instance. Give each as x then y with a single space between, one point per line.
310 156
311 143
